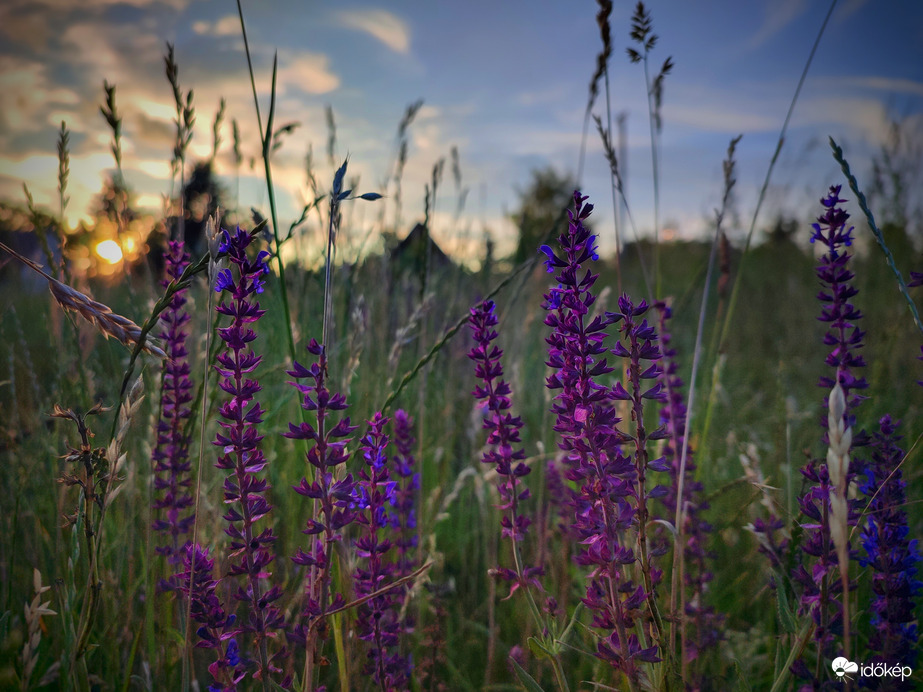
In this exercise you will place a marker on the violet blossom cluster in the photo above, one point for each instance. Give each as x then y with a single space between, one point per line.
216 627
640 347
504 448
890 552
403 512
403 516
705 622
378 618
821 591
241 455
332 498
586 422
171 453
831 230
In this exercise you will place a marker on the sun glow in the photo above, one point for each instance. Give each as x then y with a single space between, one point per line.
110 251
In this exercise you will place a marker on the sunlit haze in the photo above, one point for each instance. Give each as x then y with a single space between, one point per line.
504 82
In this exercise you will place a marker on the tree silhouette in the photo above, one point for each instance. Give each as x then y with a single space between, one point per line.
542 210
114 202
202 197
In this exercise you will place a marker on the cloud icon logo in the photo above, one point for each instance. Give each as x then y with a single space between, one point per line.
841 666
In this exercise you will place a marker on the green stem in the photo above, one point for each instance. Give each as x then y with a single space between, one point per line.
735 291
266 141
450 332
879 237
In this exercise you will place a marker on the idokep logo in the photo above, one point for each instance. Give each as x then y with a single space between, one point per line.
844 669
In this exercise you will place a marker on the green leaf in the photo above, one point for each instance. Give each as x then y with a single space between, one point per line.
742 684
784 608
538 649
806 631
527 680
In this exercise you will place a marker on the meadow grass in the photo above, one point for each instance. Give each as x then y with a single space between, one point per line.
495 575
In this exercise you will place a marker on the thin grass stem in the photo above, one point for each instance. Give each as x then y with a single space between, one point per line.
879 237
735 290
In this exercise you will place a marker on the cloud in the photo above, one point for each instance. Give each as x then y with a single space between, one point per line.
307 72
713 117
69 5
865 118
28 93
900 86
381 24
229 25
30 29
778 16
108 51
849 8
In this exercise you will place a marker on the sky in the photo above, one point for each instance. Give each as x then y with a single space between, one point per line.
505 82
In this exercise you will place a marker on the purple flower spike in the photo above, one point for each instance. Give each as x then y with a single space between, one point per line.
704 625
640 348
602 511
241 456
819 577
333 495
378 621
890 552
403 517
217 628
504 450
171 454
843 335
403 503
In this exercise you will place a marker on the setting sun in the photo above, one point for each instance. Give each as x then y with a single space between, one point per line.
110 251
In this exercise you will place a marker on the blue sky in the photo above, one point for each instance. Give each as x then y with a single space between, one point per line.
505 82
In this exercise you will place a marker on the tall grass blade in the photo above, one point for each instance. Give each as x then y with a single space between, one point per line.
879 237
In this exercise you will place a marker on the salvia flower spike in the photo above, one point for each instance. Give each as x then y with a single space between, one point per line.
171 454
241 456
332 495
826 512
504 447
890 551
378 620
586 423
217 628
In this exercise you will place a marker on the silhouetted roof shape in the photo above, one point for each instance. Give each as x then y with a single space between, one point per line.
411 251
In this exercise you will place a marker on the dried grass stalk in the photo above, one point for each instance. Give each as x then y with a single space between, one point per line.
106 321
109 323
33 616
840 438
114 452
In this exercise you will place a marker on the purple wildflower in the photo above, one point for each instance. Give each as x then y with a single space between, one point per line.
843 335
821 592
333 499
171 453
706 624
586 422
819 587
217 628
241 455
640 345
403 515
890 552
504 449
378 618
403 502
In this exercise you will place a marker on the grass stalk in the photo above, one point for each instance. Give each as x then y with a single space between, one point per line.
447 336
266 150
735 290
879 236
